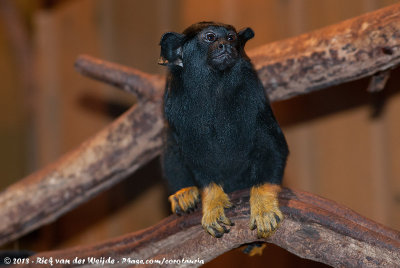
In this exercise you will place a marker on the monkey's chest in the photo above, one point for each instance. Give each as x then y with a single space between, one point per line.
217 138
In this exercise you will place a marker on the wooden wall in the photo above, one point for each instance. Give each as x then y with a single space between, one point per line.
339 150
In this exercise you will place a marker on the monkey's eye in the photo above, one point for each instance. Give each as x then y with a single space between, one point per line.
210 37
231 37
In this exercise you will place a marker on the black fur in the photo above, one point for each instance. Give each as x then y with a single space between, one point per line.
220 126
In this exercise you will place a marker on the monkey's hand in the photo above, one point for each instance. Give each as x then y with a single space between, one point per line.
264 209
185 200
214 201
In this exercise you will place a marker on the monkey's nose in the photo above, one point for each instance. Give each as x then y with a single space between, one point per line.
223 47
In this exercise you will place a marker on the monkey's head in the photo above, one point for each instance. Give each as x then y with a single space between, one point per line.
217 45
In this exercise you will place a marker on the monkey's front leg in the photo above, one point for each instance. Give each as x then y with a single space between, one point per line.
214 201
264 209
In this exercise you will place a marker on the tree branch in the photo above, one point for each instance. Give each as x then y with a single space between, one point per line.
314 228
349 50
127 144
144 86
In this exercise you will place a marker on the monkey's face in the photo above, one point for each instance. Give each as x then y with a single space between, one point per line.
211 44
222 47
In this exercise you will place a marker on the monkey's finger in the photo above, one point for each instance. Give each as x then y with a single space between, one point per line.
263 234
278 214
263 231
195 203
182 203
218 227
218 234
215 230
174 204
266 224
277 218
226 230
210 230
252 224
227 204
272 221
195 196
177 208
225 220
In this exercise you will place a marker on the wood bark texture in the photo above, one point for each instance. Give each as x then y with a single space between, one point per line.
347 51
313 228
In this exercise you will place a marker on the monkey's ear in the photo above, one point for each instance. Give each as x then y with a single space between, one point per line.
171 49
245 35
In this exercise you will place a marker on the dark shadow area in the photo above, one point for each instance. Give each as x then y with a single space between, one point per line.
273 256
52 4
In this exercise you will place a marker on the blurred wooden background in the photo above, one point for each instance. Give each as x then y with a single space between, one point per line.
344 142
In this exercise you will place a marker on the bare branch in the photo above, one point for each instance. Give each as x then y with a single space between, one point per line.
314 228
144 86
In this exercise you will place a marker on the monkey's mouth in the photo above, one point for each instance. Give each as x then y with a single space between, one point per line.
223 56
223 61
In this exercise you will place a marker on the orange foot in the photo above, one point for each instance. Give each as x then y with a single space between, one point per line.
215 200
254 249
185 200
264 210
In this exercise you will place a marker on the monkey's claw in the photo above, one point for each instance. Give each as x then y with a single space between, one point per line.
264 210
185 200
215 200
212 221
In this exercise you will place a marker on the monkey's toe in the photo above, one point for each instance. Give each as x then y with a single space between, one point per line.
185 200
213 221
215 200
264 210
265 222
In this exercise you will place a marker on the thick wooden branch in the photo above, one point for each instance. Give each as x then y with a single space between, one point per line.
314 228
343 52
350 50
114 153
144 86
